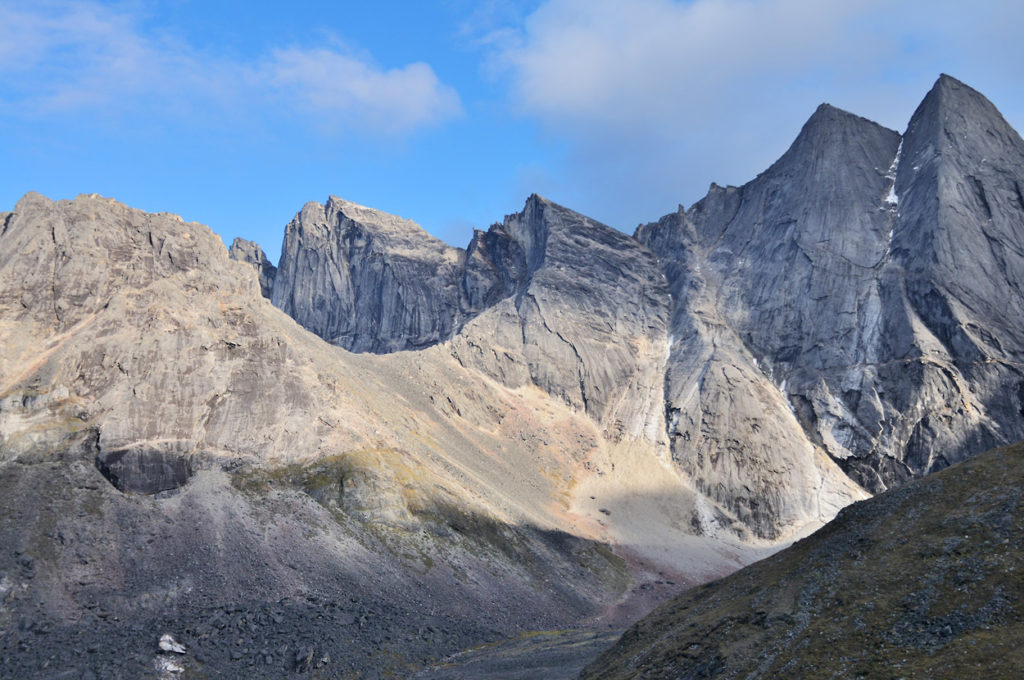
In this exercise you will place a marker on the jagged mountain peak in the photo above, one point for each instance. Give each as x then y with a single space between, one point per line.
950 91
956 116
828 121
830 135
907 245
345 214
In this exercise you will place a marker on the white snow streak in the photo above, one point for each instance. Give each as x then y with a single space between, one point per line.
891 199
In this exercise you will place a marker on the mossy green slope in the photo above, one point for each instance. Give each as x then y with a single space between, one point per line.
923 582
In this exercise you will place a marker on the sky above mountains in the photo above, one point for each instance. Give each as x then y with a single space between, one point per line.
234 113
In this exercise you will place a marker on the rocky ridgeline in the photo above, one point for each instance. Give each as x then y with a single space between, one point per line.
585 415
856 307
549 297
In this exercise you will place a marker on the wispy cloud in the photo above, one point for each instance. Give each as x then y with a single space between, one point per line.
344 90
66 57
658 97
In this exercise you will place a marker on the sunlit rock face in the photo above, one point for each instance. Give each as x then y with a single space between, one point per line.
861 297
848 320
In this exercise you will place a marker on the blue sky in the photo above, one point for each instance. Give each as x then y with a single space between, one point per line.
451 113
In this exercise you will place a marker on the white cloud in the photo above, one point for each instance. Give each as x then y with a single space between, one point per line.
656 98
610 61
61 57
344 90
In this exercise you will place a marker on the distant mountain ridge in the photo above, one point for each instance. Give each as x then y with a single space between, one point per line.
858 304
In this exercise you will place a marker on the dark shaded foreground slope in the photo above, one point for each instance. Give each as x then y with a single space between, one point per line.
921 582
547 655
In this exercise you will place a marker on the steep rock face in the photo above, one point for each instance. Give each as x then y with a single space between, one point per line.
568 304
251 253
585 321
870 284
755 273
958 241
367 281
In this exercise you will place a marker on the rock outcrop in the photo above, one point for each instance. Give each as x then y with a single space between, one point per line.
251 253
144 471
368 281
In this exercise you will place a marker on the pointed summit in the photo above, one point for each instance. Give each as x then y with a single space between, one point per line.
961 189
832 130
958 117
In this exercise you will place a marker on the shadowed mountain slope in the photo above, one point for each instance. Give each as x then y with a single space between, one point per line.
920 582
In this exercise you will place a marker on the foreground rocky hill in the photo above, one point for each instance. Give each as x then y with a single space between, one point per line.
920 582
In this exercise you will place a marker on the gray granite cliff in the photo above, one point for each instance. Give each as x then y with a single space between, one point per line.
863 293
856 307
367 281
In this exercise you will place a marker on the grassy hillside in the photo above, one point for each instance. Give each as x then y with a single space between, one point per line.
923 582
